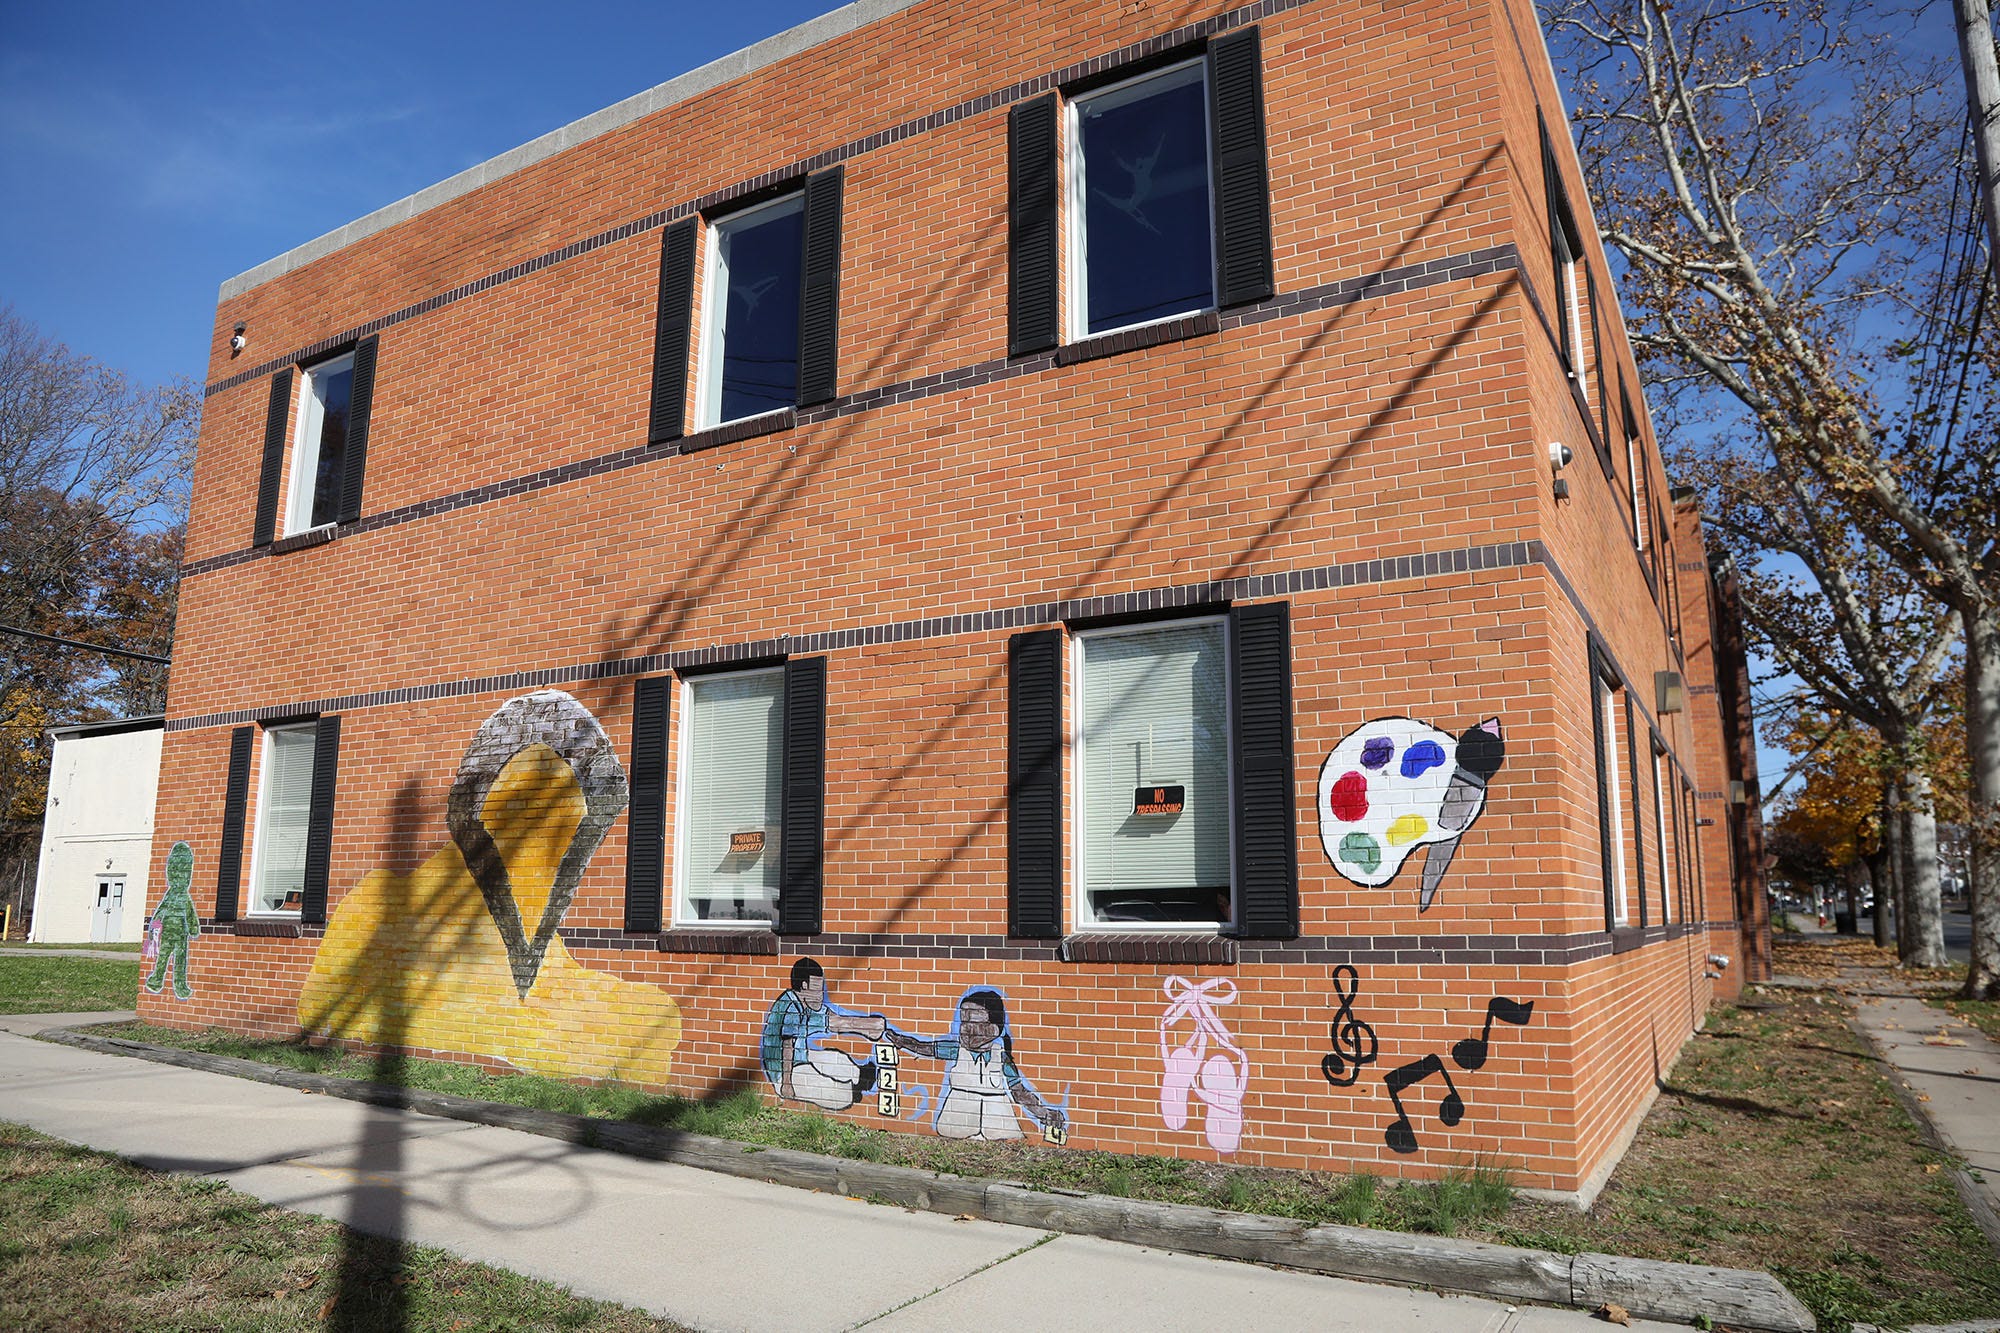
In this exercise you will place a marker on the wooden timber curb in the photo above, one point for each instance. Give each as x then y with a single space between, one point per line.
1647 1288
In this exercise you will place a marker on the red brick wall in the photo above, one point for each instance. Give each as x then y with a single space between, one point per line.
1338 429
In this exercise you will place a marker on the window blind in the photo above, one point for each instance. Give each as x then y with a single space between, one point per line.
734 786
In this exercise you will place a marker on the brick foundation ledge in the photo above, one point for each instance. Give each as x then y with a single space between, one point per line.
1647 1288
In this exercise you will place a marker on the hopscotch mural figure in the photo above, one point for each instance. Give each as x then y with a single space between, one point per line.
793 1051
982 1084
1217 1080
172 925
1397 784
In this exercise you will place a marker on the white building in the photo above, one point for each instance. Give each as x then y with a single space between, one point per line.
97 836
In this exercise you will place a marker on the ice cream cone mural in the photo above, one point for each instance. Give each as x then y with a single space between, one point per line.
1397 784
462 954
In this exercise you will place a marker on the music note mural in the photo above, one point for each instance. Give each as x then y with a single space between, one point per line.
1468 1054
1353 1040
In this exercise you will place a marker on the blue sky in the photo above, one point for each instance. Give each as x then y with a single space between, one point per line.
152 150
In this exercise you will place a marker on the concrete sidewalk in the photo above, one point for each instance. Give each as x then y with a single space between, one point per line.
1952 1071
712 1251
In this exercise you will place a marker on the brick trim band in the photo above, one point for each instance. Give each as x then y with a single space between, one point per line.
1328 296
1356 573
1172 950
1141 50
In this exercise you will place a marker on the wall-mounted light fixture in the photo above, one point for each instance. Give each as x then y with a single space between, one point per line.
1738 795
237 340
1559 458
1669 693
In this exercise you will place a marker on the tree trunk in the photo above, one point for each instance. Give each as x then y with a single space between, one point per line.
1918 845
1892 864
1982 94
1982 748
1887 900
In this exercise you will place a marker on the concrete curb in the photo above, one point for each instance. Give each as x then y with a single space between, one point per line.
1648 1289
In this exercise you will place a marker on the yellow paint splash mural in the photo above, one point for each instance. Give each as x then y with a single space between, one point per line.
462 953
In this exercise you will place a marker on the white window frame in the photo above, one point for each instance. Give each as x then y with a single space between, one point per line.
1080 912
305 446
260 847
1667 872
683 909
1076 246
715 305
1614 722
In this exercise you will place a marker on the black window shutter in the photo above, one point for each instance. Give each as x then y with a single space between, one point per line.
819 292
1034 255
229 863
804 832
1638 824
276 417
1597 357
1266 855
670 337
646 828
319 823
1242 186
1034 785
360 400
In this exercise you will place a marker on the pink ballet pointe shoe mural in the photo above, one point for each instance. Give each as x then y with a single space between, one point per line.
1189 1071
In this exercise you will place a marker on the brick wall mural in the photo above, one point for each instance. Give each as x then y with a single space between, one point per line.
1202 1063
981 1090
1396 784
462 953
172 925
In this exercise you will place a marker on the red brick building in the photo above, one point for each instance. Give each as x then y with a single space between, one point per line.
994 568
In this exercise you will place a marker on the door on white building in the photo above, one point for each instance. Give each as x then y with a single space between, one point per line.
109 913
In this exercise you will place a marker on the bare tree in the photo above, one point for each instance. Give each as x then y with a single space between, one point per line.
1783 183
93 501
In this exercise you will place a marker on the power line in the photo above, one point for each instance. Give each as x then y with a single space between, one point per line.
87 647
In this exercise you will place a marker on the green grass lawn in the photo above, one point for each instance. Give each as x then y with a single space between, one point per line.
59 985
94 948
1776 1144
91 1242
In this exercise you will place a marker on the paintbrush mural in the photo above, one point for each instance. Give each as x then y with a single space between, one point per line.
1397 784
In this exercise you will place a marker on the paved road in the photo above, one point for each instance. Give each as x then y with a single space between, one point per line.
713 1251
1957 933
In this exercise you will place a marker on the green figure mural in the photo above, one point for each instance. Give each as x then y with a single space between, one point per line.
173 924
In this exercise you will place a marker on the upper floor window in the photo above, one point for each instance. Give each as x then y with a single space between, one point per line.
1141 232
316 444
770 318
319 451
1140 201
1566 255
750 326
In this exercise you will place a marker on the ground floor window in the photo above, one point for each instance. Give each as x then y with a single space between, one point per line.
1153 782
732 779
284 811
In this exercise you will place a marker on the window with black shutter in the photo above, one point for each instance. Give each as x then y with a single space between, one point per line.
1168 199
235 804
1034 785
646 824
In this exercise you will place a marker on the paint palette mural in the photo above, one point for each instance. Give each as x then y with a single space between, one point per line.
1395 785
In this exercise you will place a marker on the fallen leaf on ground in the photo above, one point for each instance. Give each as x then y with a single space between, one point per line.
1613 1313
1944 1041
1932 1168
1923 1096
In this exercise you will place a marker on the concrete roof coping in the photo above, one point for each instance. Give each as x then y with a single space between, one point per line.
109 727
715 73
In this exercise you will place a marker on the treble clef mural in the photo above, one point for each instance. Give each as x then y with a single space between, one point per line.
1353 1040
